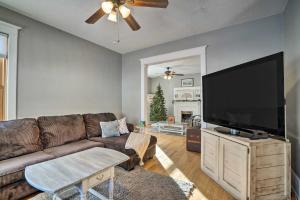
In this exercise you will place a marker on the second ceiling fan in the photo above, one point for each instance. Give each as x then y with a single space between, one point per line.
113 7
169 74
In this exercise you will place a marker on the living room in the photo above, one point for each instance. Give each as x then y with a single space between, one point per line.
70 69
180 82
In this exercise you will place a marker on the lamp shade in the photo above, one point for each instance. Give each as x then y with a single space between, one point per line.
3 45
112 16
125 12
107 6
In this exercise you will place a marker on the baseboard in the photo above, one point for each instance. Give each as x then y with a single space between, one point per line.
295 184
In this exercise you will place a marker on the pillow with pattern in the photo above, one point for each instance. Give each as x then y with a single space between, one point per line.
123 126
110 129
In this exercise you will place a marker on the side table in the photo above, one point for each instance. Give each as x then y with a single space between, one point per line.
193 139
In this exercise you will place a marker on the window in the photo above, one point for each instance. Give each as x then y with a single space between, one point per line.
3 45
3 61
8 61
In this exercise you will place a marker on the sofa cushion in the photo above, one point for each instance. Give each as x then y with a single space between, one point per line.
12 178
59 130
19 137
118 143
153 141
72 147
12 170
92 122
16 191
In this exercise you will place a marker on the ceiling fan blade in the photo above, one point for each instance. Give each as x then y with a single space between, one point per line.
132 23
178 74
149 3
95 17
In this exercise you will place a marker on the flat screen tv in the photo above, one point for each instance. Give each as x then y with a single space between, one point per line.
249 96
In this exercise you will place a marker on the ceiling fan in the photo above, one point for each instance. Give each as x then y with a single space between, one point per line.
113 7
169 74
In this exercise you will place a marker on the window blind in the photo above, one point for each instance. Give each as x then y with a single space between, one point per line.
3 45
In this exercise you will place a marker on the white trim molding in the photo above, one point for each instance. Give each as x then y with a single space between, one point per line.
11 89
145 62
295 184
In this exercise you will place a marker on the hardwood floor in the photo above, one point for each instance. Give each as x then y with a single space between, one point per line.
173 160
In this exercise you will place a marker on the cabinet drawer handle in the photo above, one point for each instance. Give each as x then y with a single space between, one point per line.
100 177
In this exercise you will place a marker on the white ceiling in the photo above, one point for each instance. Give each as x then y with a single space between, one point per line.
181 19
189 65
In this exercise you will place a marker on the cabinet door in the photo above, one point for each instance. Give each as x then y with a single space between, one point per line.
210 154
233 168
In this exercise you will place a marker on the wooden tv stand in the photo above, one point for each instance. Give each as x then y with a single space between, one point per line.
248 169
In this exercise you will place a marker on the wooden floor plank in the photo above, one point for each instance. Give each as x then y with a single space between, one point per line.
185 165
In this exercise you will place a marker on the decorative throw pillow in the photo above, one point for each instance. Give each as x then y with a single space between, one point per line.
110 129
123 126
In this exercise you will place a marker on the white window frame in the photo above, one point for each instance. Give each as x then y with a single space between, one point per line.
11 80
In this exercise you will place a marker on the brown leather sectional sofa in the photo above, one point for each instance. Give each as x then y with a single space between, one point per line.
29 141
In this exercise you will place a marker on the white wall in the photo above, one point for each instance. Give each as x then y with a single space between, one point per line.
226 47
292 81
169 85
59 73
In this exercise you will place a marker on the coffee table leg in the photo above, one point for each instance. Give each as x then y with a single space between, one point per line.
56 197
83 189
111 189
83 195
111 184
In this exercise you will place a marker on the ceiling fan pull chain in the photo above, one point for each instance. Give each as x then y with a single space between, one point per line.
118 30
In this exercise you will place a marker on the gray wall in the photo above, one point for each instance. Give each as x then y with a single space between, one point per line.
226 47
292 79
59 73
169 85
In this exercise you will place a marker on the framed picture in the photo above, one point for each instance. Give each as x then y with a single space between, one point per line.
188 82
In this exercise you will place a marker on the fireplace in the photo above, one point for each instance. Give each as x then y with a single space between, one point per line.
186 109
185 116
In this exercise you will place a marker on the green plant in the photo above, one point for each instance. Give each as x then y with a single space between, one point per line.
158 111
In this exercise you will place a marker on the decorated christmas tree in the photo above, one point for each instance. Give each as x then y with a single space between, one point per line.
158 111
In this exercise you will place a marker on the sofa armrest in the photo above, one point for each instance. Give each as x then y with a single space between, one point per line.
130 127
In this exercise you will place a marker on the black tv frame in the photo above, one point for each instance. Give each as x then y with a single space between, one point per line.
279 57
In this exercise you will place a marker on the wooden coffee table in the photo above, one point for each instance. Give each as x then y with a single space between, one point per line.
82 170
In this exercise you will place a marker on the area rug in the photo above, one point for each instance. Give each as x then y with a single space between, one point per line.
138 184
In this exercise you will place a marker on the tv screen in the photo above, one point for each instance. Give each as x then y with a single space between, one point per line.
249 96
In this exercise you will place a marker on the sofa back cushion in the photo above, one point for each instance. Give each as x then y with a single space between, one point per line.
92 123
19 137
59 130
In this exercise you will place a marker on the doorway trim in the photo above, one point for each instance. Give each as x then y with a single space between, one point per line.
11 76
145 62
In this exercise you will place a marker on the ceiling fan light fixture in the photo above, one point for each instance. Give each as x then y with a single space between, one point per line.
125 12
112 16
168 77
117 8
107 7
